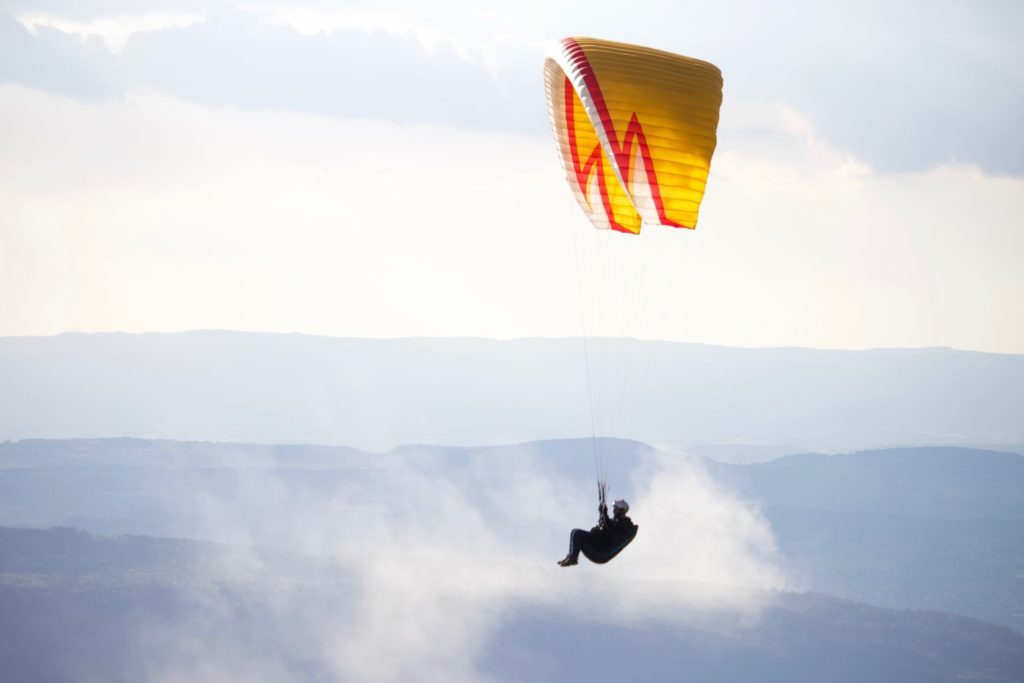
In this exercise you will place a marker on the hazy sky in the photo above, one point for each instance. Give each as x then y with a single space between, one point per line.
386 169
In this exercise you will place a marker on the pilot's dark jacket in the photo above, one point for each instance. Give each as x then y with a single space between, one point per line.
604 541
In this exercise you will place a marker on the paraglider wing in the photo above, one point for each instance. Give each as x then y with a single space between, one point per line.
636 129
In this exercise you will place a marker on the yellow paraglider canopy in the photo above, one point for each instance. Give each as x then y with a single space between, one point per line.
635 130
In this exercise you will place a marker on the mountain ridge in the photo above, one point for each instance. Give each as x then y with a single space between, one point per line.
736 403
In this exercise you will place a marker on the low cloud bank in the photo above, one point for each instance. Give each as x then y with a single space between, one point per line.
432 558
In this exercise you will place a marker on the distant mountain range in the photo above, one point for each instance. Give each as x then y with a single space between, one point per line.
936 528
729 403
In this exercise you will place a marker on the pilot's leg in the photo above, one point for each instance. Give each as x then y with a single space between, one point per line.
579 540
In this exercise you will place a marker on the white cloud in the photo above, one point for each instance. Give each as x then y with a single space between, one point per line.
899 93
496 38
314 20
114 30
442 553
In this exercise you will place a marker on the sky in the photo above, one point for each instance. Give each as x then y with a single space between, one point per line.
387 169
